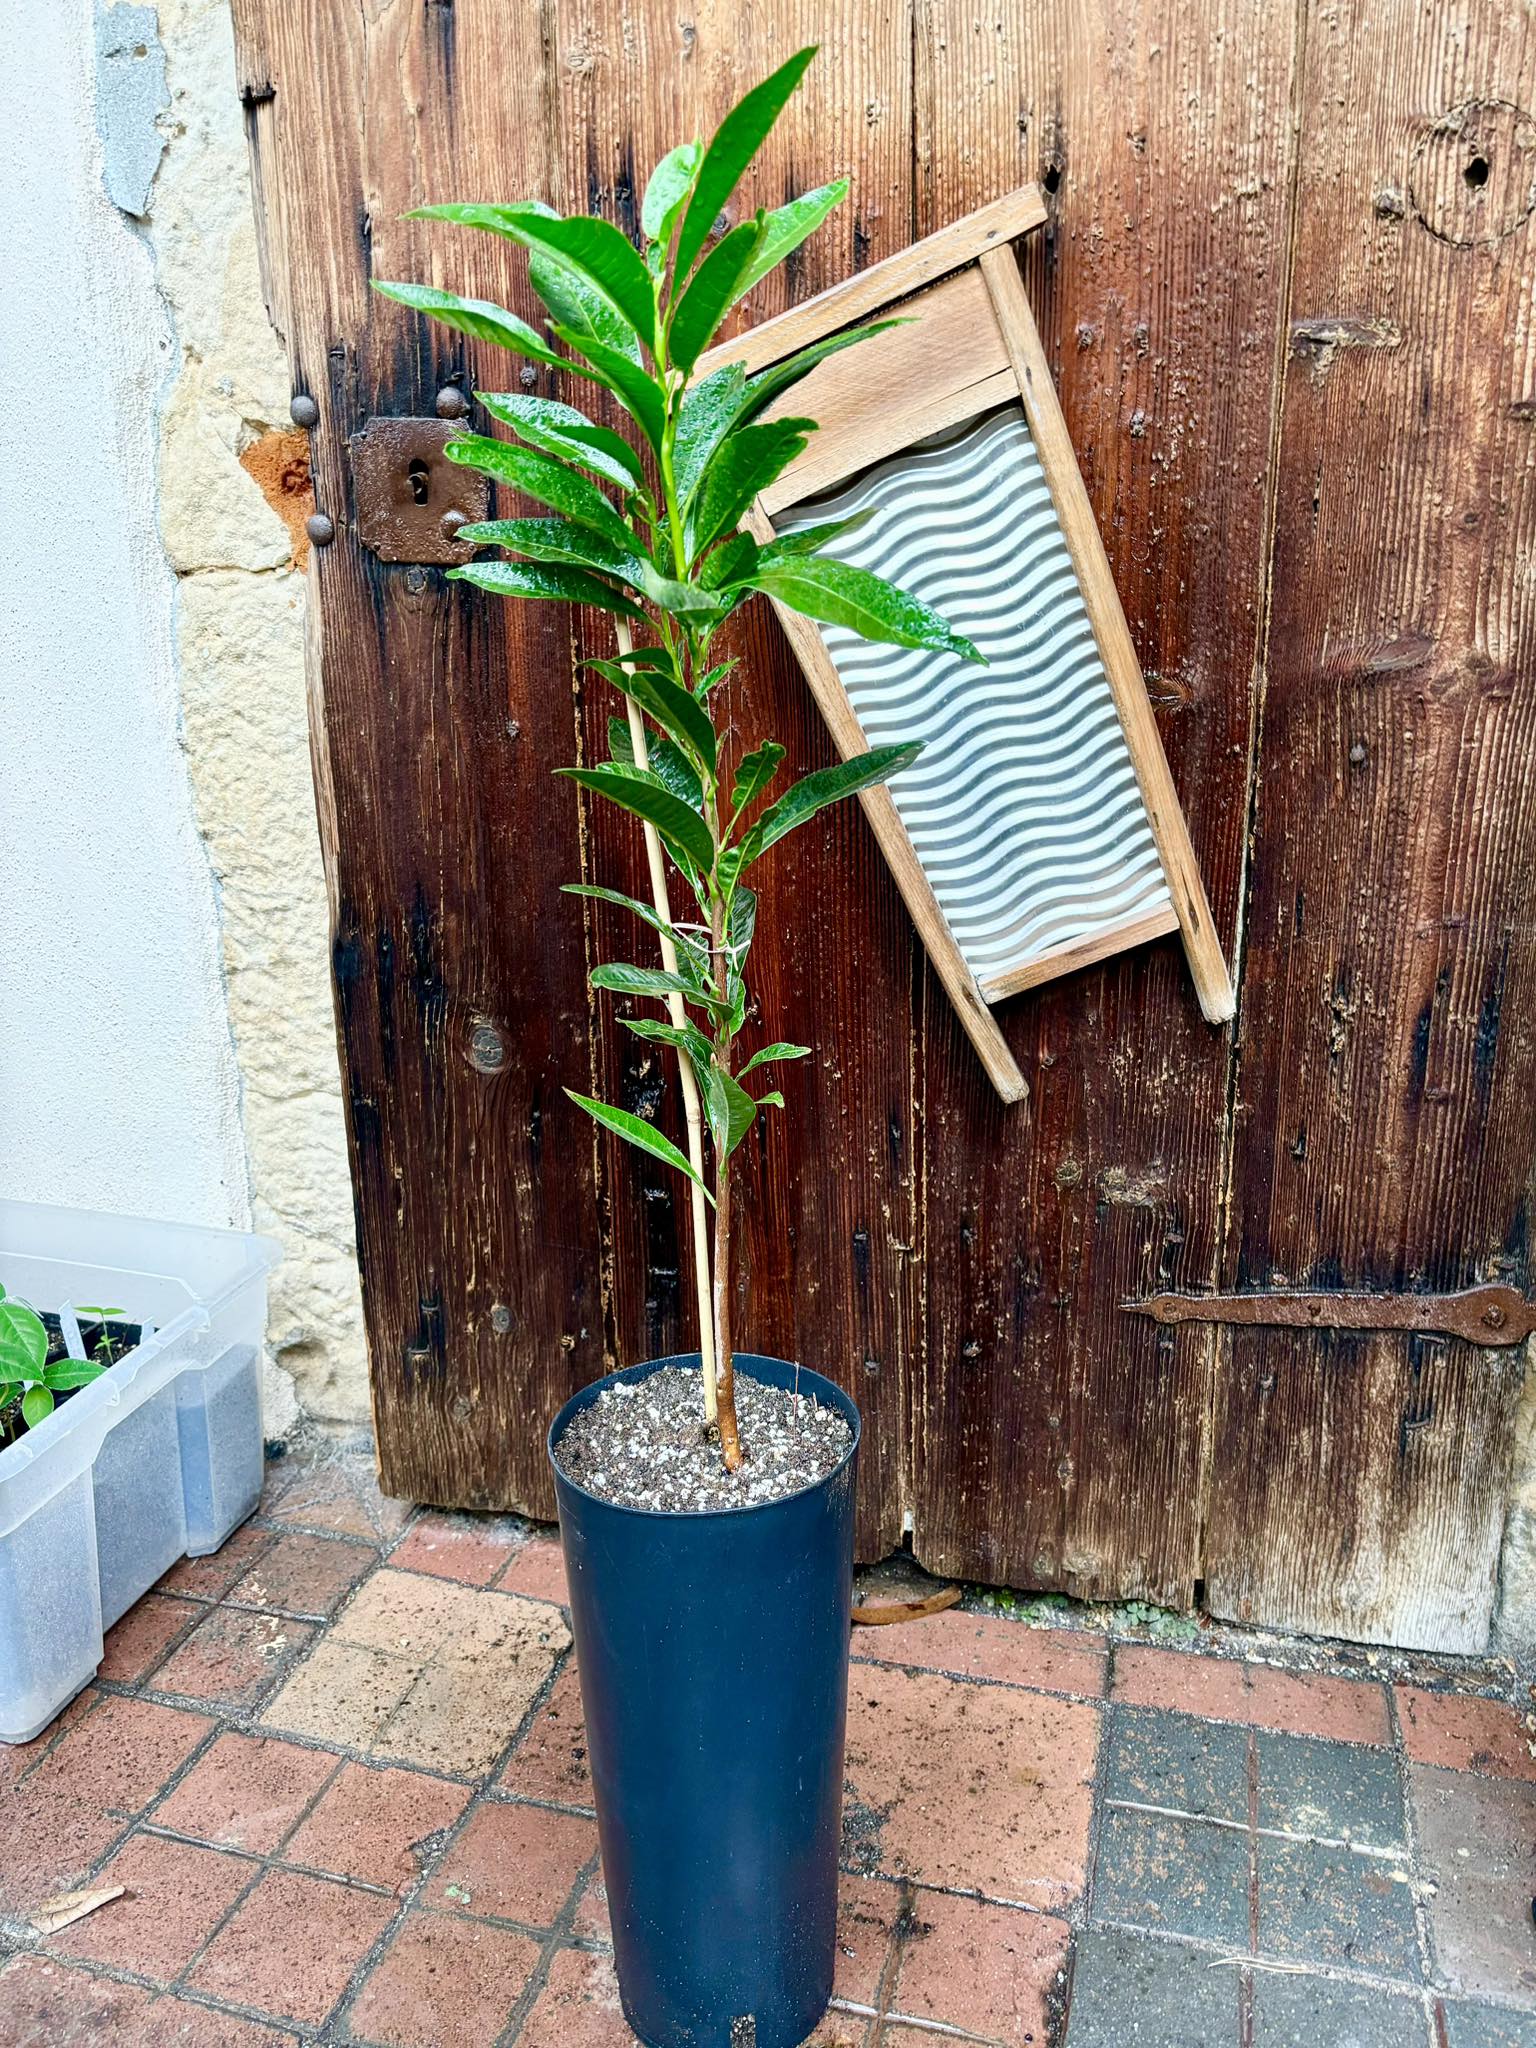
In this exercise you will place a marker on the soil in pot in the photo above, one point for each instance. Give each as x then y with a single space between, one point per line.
108 1341
645 1445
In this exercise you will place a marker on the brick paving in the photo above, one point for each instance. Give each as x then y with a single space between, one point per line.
340 1771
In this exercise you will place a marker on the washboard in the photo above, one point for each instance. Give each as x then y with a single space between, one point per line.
1040 829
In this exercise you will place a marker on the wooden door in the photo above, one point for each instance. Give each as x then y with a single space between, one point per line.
1284 306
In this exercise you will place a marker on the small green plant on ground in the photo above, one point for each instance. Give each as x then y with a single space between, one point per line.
645 525
29 1382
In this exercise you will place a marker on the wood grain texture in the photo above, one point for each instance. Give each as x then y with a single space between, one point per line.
1388 1060
1055 1441
461 1001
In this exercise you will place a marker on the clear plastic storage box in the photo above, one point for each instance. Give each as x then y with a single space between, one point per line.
159 1458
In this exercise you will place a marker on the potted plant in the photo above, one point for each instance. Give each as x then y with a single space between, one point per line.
129 1437
706 1511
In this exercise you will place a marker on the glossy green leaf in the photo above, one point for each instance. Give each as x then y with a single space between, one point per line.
730 563
668 764
556 540
812 793
646 912
778 378
635 389
782 1049
680 827
36 1406
772 1100
714 676
502 217
23 1340
479 319
619 978
810 539
575 303
677 711
667 192
708 411
640 1133
786 227
686 1038
591 248
732 148
65 1374
714 289
684 600
544 478
546 579
756 771
744 465
741 1111
562 430
838 594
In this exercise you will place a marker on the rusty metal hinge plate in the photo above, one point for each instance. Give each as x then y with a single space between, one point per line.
411 500
1493 1315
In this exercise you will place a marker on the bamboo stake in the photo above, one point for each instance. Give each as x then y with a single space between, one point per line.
693 1109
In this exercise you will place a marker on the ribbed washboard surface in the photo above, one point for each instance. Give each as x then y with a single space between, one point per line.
1023 808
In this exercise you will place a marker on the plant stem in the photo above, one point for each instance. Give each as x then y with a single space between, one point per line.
725 1364
692 1108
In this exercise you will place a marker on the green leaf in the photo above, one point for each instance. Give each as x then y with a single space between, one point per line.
635 389
644 911
711 677
552 580
562 430
36 1406
731 1109
68 1373
479 319
778 378
839 594
812 793
786 227
756 771
686 1038
786 546
716 285
576 304
682 600
669 765
640 1133
505 217
708 411
747 463
23 1340
677 711
545 479
681 828
781 1050
622 979
732 148
591 248
556 540
772 1100
732 562
101 1314
668 190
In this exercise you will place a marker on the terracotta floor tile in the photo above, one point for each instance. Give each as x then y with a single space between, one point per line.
246 1792
178 2023
49 1840
342 1694
514 1863
16 1758
210 1578
371 1821
233 1659
990 1969
120 1756
578 2007
404 1613
44 2004
176 1896
1223 1689
982 1646
866 1913
144 1634
551 1760
293 1946
340 1496
978 1787
1476 1839
443 1983
1462 1734
591 1917
487 1668
304 1574
470 1548
538 1570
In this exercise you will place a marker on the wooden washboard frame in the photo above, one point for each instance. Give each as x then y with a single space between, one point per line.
974 350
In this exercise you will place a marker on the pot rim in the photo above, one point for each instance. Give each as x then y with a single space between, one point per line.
694 1517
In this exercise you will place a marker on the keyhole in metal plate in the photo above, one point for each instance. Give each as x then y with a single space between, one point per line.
418 476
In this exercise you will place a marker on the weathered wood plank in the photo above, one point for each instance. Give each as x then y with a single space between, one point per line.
1055 1441
828 1193
461 1004
1388 1060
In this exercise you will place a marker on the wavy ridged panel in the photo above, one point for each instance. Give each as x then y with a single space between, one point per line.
1023 809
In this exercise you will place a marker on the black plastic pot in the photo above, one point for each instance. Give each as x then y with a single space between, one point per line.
713 1653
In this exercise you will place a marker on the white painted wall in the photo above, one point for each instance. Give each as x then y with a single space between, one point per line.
118 1082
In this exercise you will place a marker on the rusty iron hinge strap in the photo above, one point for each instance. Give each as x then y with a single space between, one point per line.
1493 1315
